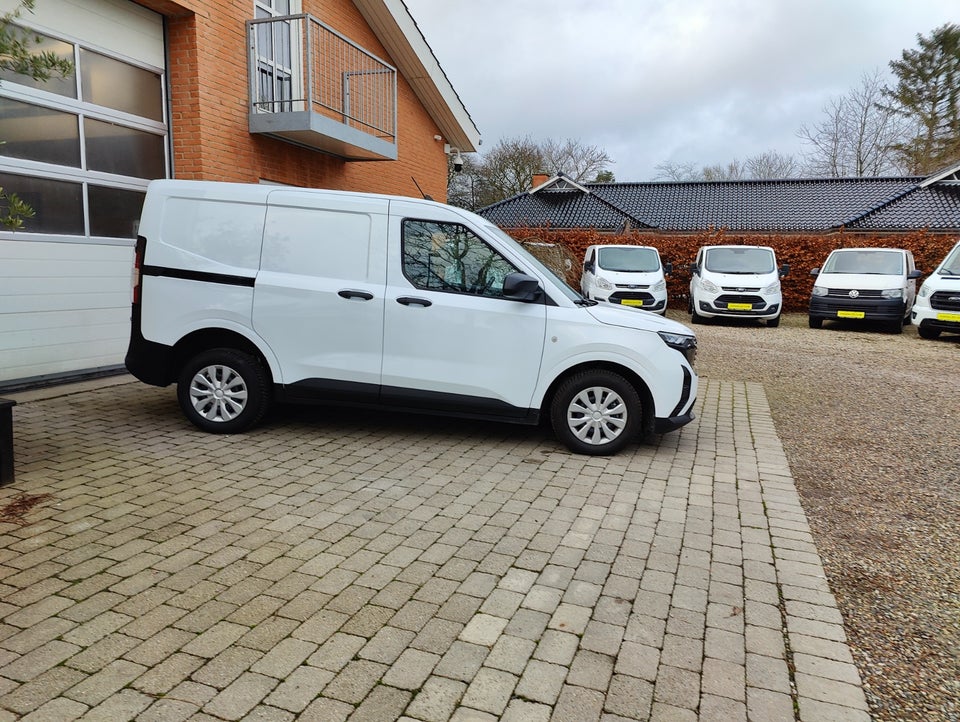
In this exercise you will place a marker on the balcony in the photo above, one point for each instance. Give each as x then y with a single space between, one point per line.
311 86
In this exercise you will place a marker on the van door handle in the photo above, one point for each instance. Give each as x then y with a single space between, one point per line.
410 301
347 293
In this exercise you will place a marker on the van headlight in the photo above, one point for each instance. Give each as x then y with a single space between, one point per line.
771 289
924 291
604 284
892 293
685 344
819 290
709 286
659 286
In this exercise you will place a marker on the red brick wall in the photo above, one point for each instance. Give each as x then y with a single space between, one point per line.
209 96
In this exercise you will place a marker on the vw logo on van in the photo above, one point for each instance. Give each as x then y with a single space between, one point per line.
854 293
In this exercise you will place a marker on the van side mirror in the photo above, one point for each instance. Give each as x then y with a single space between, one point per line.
784 269
814 271
521 287
915 273
694 269
587 266
667 269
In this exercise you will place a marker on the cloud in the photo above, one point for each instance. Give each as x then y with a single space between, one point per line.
699 81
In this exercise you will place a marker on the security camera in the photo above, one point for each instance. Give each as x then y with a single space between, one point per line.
457 162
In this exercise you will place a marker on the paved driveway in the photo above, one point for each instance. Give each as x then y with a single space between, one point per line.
334 565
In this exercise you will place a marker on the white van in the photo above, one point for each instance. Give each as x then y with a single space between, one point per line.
736 282
937 306
625 275
248 293
865 284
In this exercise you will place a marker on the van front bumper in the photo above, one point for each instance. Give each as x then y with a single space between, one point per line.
865 309
672 423
729 306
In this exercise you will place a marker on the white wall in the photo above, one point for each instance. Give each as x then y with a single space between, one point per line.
64 307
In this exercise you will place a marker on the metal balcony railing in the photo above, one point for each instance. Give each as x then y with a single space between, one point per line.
311 85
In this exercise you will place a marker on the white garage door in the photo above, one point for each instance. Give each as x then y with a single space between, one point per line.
79 151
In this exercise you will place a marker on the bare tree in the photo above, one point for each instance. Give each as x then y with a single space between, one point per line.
677 172
857 136
508 169
734 170
575 160
771 164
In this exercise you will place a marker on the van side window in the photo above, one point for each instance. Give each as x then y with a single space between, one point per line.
450 257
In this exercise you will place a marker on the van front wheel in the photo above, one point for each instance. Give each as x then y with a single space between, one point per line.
596 412
223 391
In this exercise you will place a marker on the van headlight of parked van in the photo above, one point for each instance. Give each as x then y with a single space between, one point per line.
891 293
604 284
819 290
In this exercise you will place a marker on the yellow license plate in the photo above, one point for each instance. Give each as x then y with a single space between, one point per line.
740 306
850 314
955 317
630 302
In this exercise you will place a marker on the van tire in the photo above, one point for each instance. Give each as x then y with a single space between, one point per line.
815 322
927 332
608 395
220 373
773 322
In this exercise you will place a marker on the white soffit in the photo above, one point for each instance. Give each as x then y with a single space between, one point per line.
401 36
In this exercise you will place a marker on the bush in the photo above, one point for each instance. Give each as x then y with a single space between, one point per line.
803 252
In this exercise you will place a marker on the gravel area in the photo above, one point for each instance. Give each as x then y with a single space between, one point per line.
870 422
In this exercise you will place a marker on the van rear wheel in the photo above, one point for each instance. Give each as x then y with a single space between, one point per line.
223 391
596 412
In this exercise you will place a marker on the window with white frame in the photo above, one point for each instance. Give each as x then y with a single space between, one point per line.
80 150
278 55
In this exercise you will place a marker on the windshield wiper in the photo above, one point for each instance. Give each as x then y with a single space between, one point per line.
586 302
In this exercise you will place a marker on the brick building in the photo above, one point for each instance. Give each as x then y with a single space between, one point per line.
334 94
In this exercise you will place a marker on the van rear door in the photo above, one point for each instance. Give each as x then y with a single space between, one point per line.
319 296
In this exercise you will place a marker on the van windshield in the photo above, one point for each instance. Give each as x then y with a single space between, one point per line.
951 264
561 284
628 260
868 261
740 260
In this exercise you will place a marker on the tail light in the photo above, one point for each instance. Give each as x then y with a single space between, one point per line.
136 278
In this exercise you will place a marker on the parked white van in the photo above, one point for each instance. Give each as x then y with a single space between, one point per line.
937 307
626 275
244 294
736 282
865 284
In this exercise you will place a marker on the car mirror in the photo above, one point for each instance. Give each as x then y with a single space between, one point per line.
915 273
521 287
667 269
784 269
814 271
693 268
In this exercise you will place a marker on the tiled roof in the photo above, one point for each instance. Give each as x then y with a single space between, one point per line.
936 207
894 203
557 209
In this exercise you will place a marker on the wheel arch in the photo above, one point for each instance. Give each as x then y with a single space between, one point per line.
647 409
201 340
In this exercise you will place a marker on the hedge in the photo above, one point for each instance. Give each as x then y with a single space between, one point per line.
803 252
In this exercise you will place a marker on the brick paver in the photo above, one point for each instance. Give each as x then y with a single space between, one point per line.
338 565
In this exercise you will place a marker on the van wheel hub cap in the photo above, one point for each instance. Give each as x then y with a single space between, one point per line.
597 415
218 393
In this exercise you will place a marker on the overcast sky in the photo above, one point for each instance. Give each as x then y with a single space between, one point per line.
652 81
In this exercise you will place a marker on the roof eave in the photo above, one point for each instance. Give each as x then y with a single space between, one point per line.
403 40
